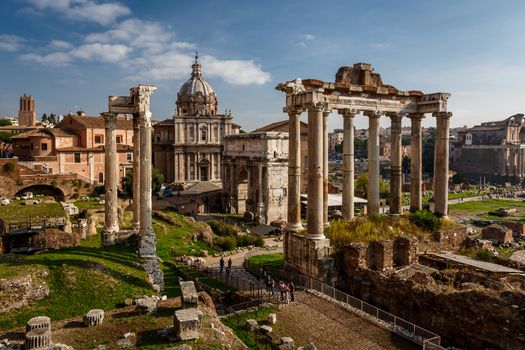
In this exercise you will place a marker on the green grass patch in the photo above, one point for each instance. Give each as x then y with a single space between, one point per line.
236 323
91 204
274 263
484 206
465 194
80 279
17 211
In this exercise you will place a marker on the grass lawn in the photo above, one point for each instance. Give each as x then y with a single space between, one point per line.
236 323
16 211
79 278
274 264
91 204
465 194
484 206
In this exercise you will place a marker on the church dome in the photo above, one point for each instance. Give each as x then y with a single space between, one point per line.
196 96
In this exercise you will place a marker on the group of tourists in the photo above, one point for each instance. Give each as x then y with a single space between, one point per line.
287 290
221 265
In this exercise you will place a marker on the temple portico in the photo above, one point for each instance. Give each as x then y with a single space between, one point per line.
357 90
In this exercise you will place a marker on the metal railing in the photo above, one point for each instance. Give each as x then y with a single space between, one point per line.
406 329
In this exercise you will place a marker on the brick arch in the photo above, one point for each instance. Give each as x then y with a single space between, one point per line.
45 189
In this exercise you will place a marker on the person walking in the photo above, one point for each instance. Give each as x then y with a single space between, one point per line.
292 291
229 269
281 290
221 264
272 286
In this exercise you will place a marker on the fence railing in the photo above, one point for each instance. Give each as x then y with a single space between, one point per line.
406 329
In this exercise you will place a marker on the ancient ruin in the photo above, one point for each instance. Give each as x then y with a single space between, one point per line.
356 90
138 105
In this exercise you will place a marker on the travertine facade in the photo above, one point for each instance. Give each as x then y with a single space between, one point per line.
188 148
255 181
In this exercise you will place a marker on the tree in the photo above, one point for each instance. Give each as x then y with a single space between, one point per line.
5 122
157 179
52 118
406 140
5 141
405 164
361 187
338 148
44 118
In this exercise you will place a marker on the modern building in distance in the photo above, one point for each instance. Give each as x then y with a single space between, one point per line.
495 150
188 148
335 138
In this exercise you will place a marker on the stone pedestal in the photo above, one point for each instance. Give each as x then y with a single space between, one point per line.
111 226
187 323
94 318
40 322
190 297
373 163
294 172
37 338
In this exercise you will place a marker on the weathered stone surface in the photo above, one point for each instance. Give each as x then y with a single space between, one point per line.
518 228
251 325
190 297
452 239
181 347
265 329
19 291
310 346
148 304
127 341
94 317
287 341
272 318
39 322
497 234
380 255
37 338
155 274
187 323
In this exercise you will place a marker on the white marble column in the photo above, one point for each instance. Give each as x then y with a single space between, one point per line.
315 224
136 172
396 181
111 224
148 240
325 167
294 171
348 163
416 165
373 162
441 163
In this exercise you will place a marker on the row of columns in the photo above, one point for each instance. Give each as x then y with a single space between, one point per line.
142 205
317 212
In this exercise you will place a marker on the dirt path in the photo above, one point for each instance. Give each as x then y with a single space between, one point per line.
329 327
238 258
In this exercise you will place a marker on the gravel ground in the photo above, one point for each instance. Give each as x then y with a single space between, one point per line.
312 319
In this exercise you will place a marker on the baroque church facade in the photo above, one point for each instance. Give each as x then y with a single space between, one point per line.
188 148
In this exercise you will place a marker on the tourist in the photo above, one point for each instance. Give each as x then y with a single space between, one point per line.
221 264
267 283
286 293
292 290
281 289
272 286
229 268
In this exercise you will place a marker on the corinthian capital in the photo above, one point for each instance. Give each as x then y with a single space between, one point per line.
295 110
144 119
442 115
110 119
348 112
373 114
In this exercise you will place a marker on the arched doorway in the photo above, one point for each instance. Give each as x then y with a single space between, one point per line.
204 170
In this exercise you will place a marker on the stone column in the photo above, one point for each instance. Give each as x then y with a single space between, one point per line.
348 164
441 163
416 157
315 173
111 225
373 162
260 203
148 241
325 167
294 172
396 183
136 172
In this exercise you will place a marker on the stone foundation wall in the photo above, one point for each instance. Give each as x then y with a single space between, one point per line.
452 239
405 251
56 239
309 257
518 228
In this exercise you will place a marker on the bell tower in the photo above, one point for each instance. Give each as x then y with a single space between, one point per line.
26 114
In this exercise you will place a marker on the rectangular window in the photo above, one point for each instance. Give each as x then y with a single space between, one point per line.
119 138
31 147
129 157
77 157
203 135
44 146
98 138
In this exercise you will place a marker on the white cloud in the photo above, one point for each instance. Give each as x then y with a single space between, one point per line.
60 45
90 52
84 10
304 39
57 59
237 72
380 45
10 43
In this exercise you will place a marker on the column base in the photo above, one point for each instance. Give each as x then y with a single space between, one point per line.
317 237
294 228
108 238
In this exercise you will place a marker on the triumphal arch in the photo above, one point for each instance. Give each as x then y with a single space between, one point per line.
356 90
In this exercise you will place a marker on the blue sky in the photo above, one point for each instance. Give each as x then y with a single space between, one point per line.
72 54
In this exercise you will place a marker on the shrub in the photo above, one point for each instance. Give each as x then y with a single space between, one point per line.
98 190
221 229
246 240
226 243
426 220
